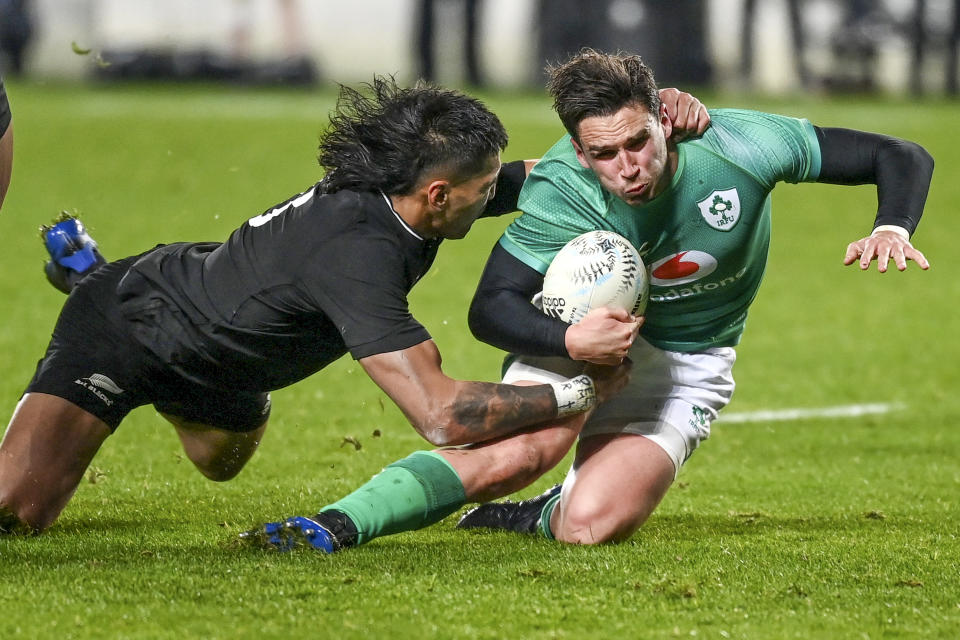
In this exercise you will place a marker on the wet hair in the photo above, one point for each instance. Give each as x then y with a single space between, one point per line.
592 83
386 138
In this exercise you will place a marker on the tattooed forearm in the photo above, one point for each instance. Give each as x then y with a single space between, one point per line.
483 410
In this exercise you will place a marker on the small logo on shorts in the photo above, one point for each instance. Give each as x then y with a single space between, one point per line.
700 419
97 384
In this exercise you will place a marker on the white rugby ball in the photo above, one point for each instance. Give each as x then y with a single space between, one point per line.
596 269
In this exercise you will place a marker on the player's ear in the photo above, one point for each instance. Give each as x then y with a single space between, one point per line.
438 192
581 158
665 121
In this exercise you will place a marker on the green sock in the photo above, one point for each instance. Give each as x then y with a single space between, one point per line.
409 494
545 516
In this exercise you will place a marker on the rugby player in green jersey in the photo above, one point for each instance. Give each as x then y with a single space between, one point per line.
699 212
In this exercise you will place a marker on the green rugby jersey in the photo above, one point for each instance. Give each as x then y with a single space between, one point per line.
704 240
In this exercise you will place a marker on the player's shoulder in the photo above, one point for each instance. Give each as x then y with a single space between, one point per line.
560 166
752 125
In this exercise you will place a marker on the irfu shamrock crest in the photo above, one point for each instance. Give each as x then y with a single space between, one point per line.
721 209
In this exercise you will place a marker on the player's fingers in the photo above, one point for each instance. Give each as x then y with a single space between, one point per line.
868 254
703 119
621 315
917 257
884 253
853 252
669 98
899 258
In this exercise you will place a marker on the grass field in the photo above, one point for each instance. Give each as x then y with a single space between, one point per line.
813 528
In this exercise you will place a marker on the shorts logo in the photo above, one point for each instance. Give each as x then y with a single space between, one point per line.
721 209
699 420
681 268
97 384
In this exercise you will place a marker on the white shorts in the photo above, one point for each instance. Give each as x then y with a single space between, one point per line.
672 397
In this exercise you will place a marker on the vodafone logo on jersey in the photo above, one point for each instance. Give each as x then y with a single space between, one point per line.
681 268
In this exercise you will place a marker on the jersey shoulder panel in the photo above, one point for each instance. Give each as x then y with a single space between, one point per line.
772 147
560 198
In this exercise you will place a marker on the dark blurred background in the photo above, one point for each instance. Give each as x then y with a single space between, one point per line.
775 46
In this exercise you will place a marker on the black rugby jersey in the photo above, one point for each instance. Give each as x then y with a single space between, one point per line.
289 292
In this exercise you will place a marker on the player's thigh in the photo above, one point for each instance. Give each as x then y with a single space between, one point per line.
220 431
45 451
616 482
672 399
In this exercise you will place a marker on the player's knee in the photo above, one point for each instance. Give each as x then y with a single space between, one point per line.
23 519
219 470
592 523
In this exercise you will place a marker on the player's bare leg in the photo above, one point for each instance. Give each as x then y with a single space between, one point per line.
218 454
47 448
395 500
616 482
497 468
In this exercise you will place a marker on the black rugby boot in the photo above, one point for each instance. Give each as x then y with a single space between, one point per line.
522 517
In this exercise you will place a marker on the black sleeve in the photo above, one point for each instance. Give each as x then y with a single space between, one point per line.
509 182
501 313
900 169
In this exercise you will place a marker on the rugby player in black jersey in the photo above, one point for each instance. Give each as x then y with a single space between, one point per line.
204 331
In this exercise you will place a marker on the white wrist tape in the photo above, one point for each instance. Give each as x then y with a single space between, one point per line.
900 231
574 395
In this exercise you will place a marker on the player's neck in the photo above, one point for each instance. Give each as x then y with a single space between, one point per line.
673 161
412 210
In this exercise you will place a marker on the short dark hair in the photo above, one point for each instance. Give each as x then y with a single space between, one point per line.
385 138
592 83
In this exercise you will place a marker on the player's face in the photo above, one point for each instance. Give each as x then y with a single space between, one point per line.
466 200
628 152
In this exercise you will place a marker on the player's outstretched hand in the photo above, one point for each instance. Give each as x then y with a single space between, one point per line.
688 115
609 381
604 336
884 246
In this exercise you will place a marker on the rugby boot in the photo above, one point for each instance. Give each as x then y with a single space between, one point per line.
73 253
522 517
326 532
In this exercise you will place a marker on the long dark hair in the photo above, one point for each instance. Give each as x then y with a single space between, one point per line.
592 83
384 137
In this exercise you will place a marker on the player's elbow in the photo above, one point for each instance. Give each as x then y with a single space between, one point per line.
478 317
912 155
439 426
925 159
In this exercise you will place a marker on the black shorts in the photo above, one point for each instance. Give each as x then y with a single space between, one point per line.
94 362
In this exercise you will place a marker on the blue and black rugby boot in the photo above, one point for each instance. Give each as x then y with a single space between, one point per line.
522 517
73 253
328 531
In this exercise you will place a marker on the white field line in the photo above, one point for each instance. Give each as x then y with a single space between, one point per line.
842 411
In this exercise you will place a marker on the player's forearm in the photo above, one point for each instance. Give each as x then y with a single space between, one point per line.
900 169
501 314
479 411
509 183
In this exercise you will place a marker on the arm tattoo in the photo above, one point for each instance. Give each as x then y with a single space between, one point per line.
489 410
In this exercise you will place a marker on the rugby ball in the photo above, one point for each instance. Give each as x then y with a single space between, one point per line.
596 269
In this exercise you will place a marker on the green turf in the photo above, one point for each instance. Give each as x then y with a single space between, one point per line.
844 528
